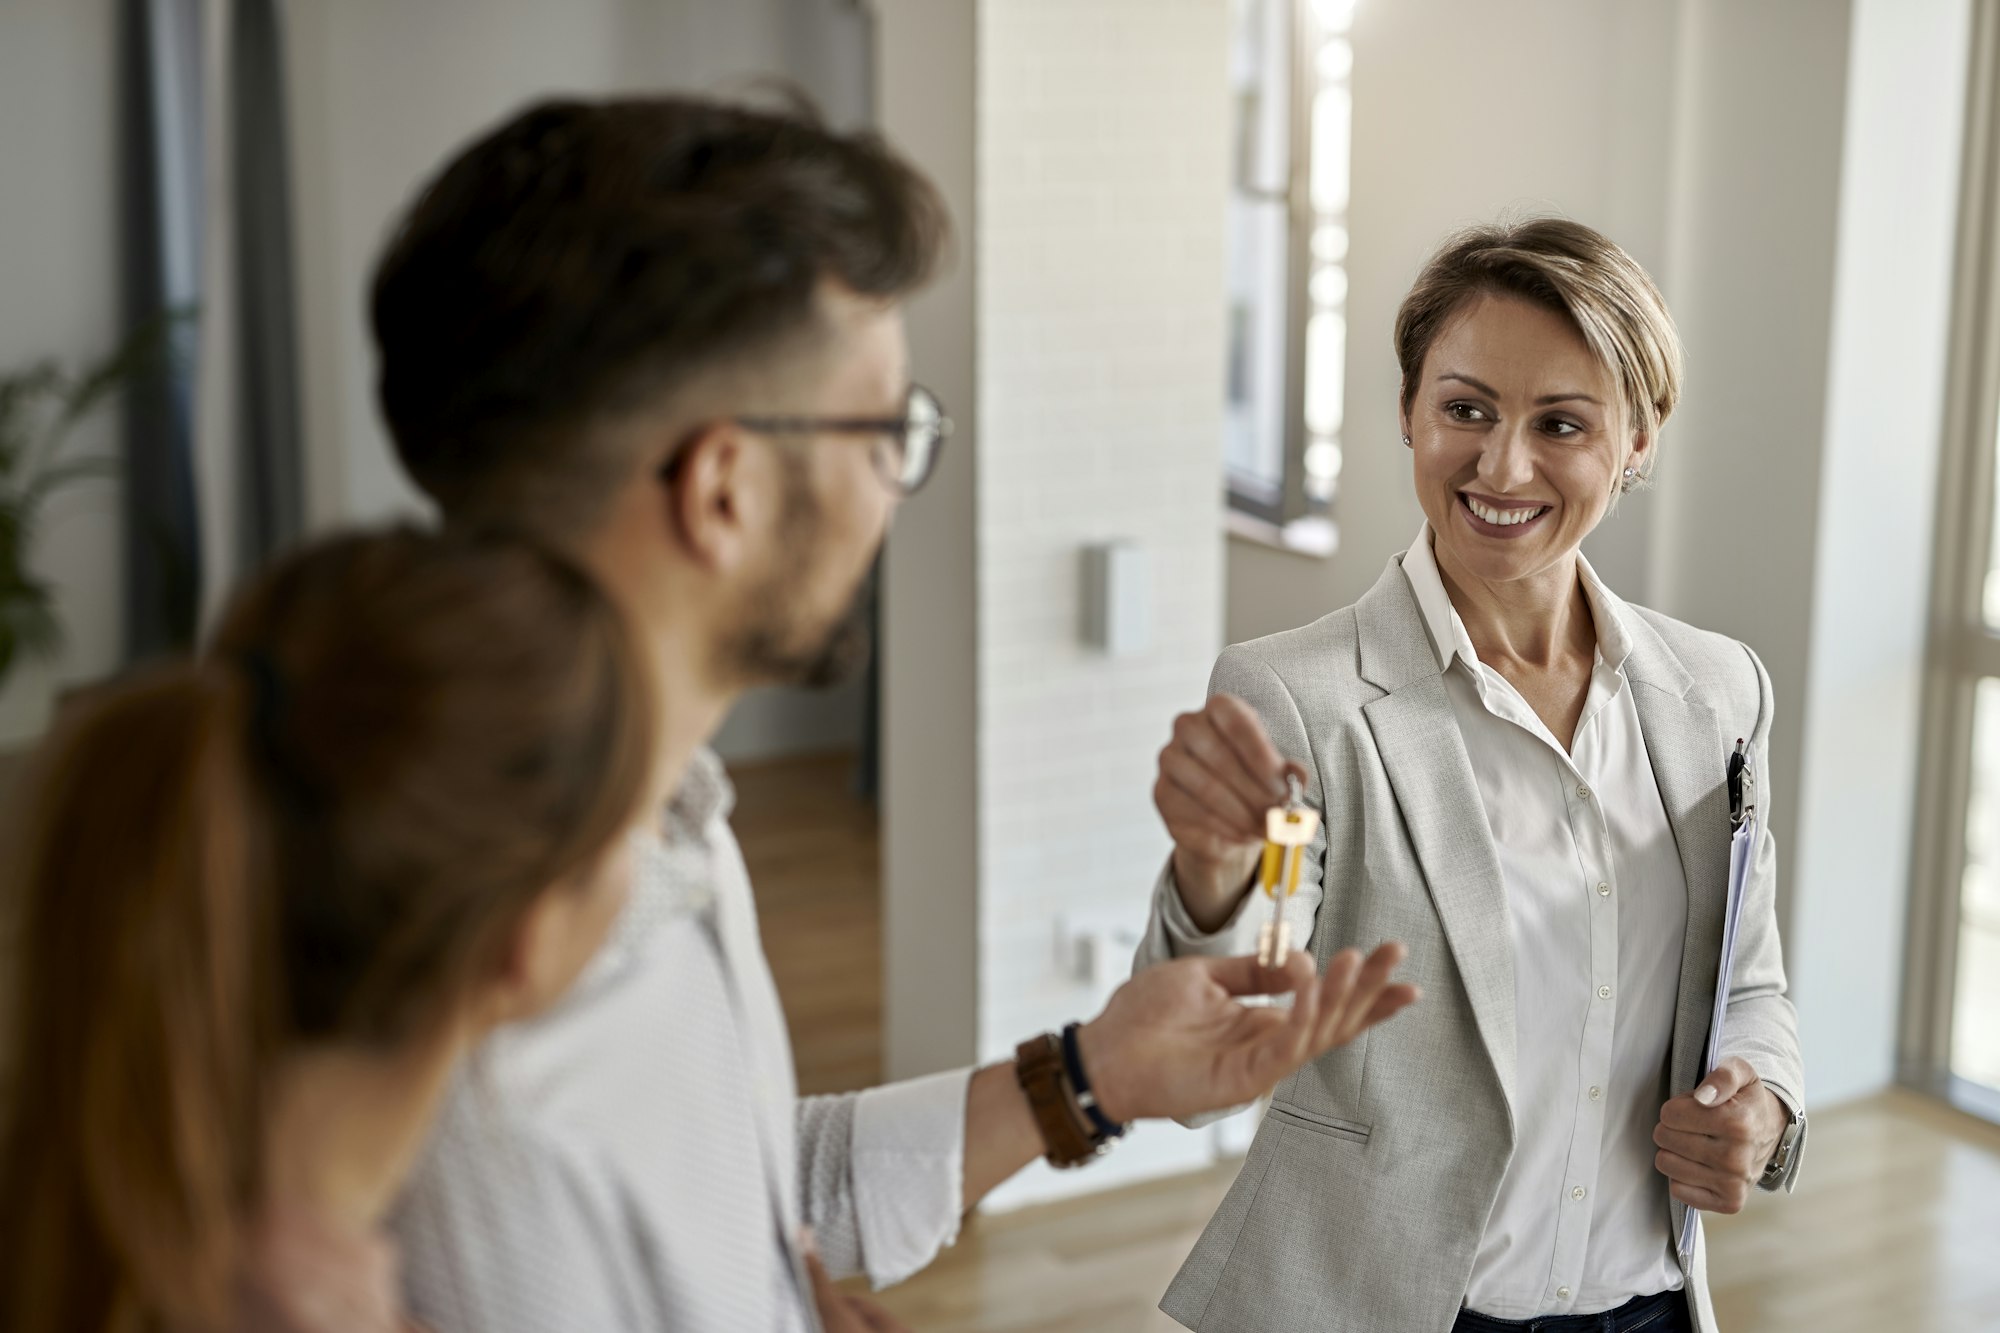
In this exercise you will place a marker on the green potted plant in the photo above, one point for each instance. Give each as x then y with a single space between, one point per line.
40 407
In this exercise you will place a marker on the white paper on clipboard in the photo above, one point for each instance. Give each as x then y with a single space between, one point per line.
1741 849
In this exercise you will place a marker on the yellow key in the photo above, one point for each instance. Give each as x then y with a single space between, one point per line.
1287 831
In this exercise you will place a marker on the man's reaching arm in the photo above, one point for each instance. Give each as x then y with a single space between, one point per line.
1173 1041
1176 1041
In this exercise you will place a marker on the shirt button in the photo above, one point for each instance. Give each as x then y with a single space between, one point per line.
1577 1193
1596 1093
1582 792
1604 890
1604 992
1562 1293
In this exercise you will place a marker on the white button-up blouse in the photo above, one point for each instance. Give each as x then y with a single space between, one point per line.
1597 902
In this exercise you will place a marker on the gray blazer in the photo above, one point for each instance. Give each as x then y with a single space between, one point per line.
1366 1191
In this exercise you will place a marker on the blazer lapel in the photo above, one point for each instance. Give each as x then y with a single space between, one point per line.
1685 744
1423 752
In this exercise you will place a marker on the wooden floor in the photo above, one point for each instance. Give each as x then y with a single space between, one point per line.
1895 1227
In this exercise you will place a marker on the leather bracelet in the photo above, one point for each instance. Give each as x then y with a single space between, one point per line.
1066 1138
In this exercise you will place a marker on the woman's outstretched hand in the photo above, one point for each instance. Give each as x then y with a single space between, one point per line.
1175 1041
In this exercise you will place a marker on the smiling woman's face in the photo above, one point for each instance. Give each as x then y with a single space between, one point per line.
1521 437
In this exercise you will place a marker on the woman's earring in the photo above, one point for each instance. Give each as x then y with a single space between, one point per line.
1406 441
1631 478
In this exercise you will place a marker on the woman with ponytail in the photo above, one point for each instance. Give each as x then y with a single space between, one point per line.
269 897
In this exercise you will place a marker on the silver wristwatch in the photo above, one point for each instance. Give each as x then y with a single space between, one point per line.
1784 1162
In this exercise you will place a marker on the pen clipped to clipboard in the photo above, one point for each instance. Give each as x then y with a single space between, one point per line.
1742 782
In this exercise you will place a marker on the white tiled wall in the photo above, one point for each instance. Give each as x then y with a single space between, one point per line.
1101 172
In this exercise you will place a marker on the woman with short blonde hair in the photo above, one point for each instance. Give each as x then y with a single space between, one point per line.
1529 781
1566 267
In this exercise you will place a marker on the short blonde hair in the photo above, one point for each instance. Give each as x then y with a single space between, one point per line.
1573 270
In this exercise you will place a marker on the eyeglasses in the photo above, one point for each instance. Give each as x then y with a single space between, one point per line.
906 447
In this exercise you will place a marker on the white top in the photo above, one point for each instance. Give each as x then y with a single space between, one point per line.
1597 901
639 1159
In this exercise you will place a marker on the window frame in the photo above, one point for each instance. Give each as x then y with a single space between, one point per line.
1294 517
1963 647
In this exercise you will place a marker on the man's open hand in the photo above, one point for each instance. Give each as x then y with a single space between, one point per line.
1175 1041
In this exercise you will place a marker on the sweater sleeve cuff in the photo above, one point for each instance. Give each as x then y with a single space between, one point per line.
1184 938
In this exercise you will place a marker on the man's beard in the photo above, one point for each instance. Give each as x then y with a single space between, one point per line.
778 642
774 648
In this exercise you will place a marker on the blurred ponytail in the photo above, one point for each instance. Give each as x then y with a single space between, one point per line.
132 1143
322 835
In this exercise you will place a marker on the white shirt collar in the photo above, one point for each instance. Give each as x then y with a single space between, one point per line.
706 793
1447 631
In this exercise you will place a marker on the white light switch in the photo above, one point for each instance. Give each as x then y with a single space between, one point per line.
1117 598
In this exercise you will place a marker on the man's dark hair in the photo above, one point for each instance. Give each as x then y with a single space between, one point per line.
586 257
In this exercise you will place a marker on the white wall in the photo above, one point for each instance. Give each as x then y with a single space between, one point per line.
59 298
1760 107
1814 206
1872 558
1102 153
1082 149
